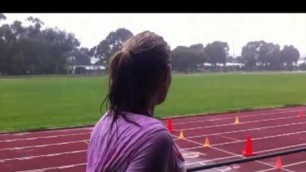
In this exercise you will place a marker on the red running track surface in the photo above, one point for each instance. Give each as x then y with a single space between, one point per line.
271 130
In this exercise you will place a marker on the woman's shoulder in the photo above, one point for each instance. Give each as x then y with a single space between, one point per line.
144 120
136 122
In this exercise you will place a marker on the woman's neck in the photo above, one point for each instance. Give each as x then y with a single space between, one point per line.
151 108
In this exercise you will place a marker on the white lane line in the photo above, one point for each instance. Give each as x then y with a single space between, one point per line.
26 134
260 114
258 138
263 151
45 145
251 129
231 124
45 137
233 115
281 148
191 148
278 148
284 166
228 138
293 164
261 138
240 156
54 168
210 160
262 162
287 134
41 156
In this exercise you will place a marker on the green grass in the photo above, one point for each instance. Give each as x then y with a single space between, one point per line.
50 102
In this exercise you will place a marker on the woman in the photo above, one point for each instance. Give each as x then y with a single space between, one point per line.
127 137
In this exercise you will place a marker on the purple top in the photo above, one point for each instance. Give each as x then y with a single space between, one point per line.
128 147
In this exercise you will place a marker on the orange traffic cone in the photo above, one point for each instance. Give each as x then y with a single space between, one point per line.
249 147
181 135
237 120
206 144
170 126
278 164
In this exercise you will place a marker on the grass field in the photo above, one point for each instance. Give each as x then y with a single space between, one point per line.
48 102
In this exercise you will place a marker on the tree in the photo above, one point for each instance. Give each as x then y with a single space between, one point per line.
239 59
7 45
289 55
250 55
261 55
58 46
273 57
180 59
216 53
32 46
198 56
2 17
303 66
230 59
111 44
262 51
2 45
185 59
81 56
268 56
33 50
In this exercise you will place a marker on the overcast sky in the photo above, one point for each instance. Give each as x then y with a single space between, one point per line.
183 29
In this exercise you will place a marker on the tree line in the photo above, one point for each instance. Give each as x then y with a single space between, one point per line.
33 49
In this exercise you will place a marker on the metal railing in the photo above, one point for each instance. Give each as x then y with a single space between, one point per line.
247 159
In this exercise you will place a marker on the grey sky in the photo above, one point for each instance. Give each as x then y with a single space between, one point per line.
183 29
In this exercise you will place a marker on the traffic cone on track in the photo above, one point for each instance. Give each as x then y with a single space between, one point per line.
249 147
181 135
237 120
170 126
206 144
278 164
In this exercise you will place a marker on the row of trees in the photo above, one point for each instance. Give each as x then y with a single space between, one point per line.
186 59
31 49
256 55
260 55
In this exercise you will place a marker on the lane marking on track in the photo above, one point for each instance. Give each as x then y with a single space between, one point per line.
45 145
187 139
231 153
284 166
250 129
261 138
210 160
191 155
41 156
53 168
233 124
44 137
262 162
240 116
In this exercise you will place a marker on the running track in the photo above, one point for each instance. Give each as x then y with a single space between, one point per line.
271 130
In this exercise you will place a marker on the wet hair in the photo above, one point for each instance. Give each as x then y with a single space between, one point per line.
136 73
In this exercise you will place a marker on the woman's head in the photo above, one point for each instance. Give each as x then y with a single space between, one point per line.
139 74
